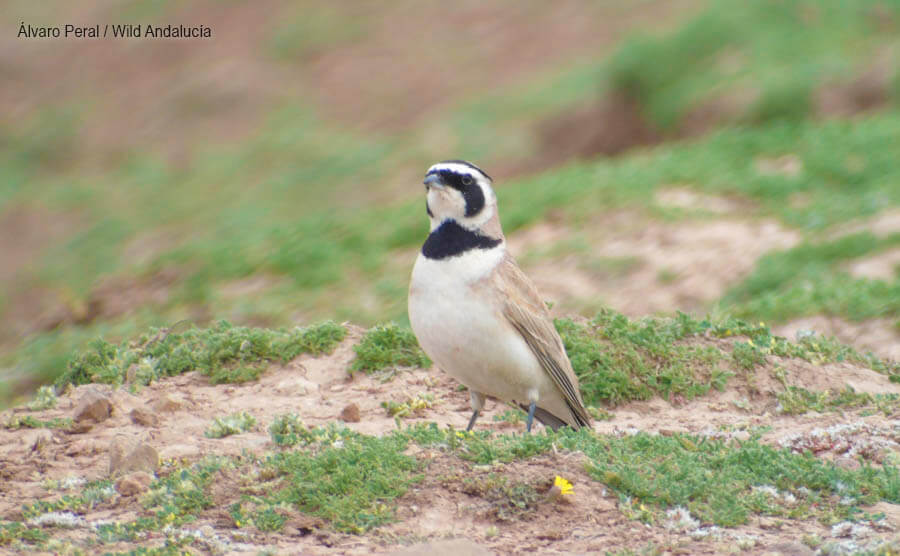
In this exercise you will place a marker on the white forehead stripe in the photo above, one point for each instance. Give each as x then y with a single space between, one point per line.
455 167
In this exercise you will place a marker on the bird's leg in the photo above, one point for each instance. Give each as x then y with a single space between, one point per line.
531 409
477 399
472 420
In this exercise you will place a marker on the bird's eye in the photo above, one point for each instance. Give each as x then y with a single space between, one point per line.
467 180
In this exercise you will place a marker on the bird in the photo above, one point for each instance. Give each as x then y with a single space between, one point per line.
477 315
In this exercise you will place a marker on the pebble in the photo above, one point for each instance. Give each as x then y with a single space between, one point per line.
144 417
133 484
350 413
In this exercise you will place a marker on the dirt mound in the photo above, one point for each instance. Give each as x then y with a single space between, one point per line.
131 436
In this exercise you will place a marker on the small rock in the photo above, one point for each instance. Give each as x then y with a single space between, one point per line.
167 403
122 460
133 484
94 406
455 547
350 414
144 417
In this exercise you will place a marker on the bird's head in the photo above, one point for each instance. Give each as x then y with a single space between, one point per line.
460 191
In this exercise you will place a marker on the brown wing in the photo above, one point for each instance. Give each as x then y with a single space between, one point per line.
523 308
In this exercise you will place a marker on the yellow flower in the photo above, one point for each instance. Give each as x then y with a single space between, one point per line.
564 486
237 523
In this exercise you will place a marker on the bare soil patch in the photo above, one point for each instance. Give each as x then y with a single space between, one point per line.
882 266
676 266
883 224
686 198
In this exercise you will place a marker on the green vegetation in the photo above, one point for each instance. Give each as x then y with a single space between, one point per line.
177 498
44 398
388 345
619 360
232 424
289 430
225 353
795 400
348 482
809 280
779 53
412 405
31 422
15 531
508 500
717 481
512 415
92 494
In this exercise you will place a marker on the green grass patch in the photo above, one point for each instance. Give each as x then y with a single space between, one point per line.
386 346
290 430
808 280
349 481
178 497
92 494
44 398
719 482
224 352
512 415
30 422
15 532
782 51
232 424
795 400
619 360
412 405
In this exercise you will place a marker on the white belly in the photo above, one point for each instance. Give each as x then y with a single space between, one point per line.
466 336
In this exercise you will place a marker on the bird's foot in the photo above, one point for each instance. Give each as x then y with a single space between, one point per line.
472 419
531 409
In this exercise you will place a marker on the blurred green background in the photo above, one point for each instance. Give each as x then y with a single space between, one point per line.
657 155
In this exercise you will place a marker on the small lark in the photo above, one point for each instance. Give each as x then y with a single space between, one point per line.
475 312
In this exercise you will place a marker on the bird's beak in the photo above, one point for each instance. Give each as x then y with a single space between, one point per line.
433 180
